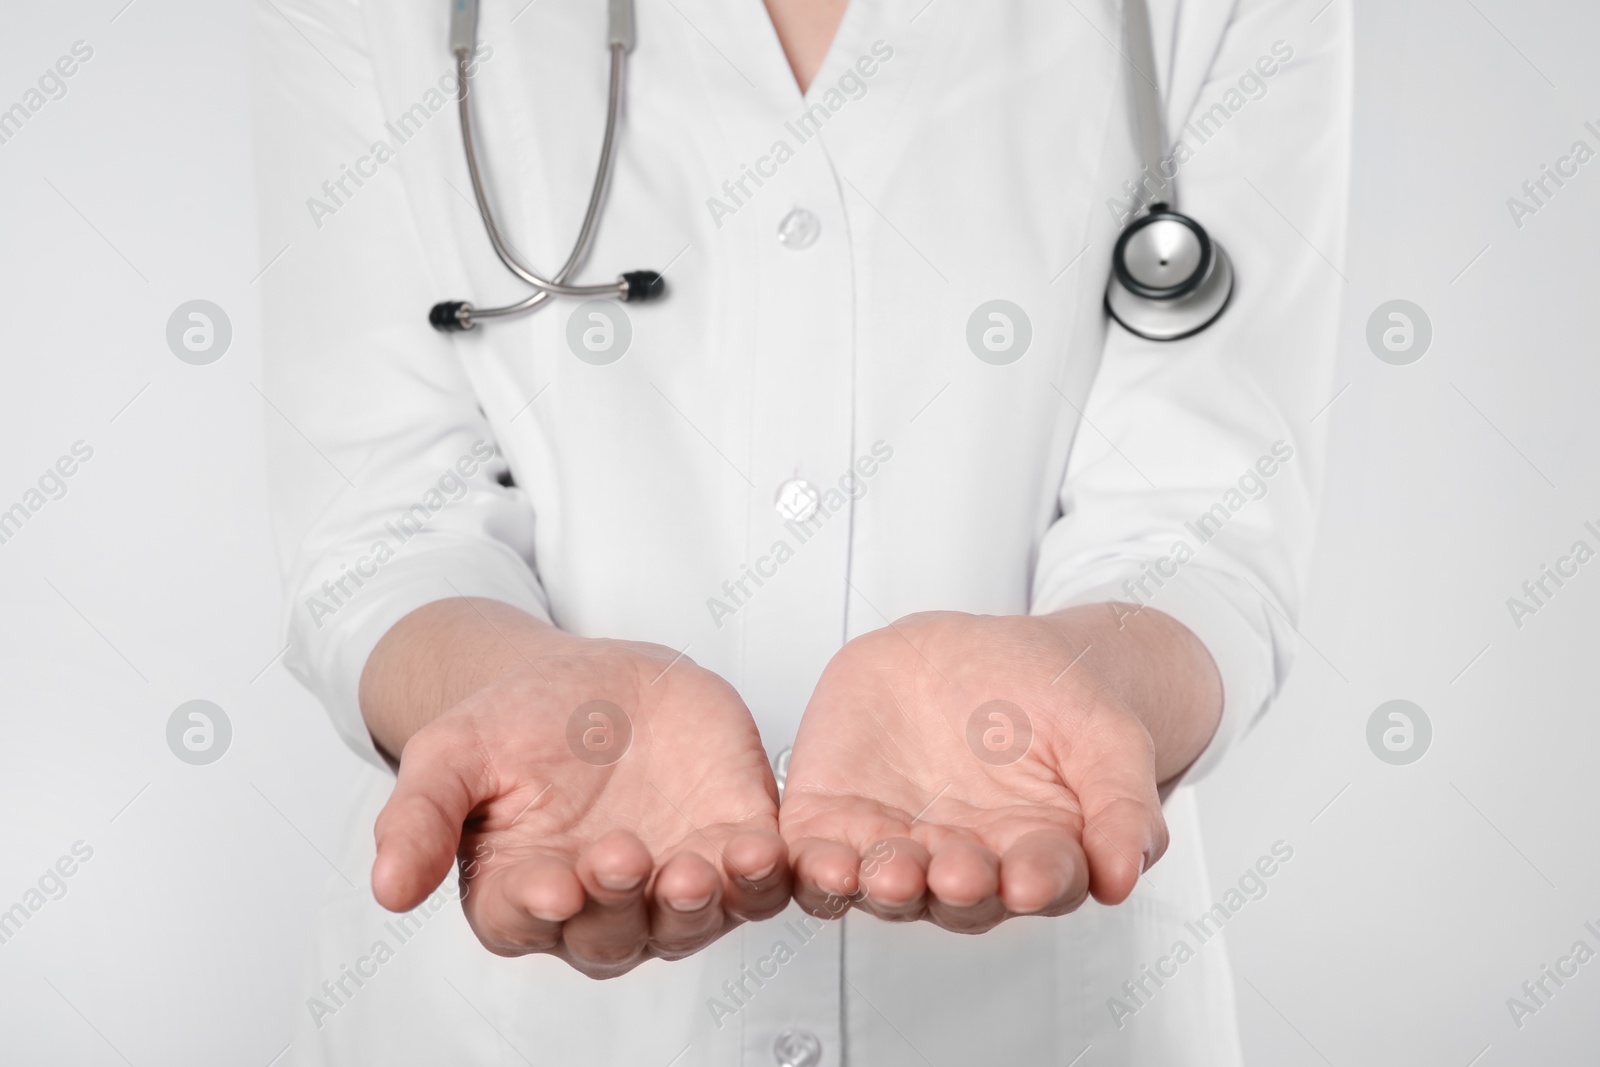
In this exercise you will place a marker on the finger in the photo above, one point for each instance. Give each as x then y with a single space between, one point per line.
894 874
611 930
521 908
964 887
1124 832
1044 873
827 876
1122 839
757 878
685 906
440 781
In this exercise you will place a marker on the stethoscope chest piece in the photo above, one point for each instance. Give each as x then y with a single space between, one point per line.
1168 278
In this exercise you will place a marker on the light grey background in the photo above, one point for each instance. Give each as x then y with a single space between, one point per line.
1419 898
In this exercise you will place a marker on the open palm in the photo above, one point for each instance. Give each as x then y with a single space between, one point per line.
607 806
947 768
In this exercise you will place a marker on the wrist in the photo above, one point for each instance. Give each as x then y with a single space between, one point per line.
441 654
1155 667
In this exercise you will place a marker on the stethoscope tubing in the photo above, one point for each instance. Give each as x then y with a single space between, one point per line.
555 286
1188 301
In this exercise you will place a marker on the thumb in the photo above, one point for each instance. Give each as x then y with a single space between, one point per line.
1124 831
419 830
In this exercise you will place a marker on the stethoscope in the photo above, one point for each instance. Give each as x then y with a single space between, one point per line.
637 285
1169 279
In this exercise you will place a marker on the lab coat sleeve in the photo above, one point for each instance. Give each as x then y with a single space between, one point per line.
387 489
1194 480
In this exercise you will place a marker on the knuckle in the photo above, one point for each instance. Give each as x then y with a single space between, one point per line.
493 937
824 905
765 908
603 972
606 958
503 951
499 941
1066 905
505 938
679 947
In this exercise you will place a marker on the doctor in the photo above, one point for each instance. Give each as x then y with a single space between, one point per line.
876 507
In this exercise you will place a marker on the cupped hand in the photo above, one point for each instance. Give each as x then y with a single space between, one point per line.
610 802
964 769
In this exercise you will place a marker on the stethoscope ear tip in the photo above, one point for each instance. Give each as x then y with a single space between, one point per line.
642 285
451 316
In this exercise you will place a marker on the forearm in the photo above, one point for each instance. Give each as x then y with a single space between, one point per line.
1154 666
439 655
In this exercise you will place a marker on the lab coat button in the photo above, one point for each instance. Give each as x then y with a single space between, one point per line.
797 1048
797 500
799 230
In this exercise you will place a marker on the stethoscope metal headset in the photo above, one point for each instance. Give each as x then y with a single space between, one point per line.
1169 279
638 285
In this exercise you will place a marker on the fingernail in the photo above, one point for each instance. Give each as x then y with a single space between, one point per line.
690 905
763 873
619 883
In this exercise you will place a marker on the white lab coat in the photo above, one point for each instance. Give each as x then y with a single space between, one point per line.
981 159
